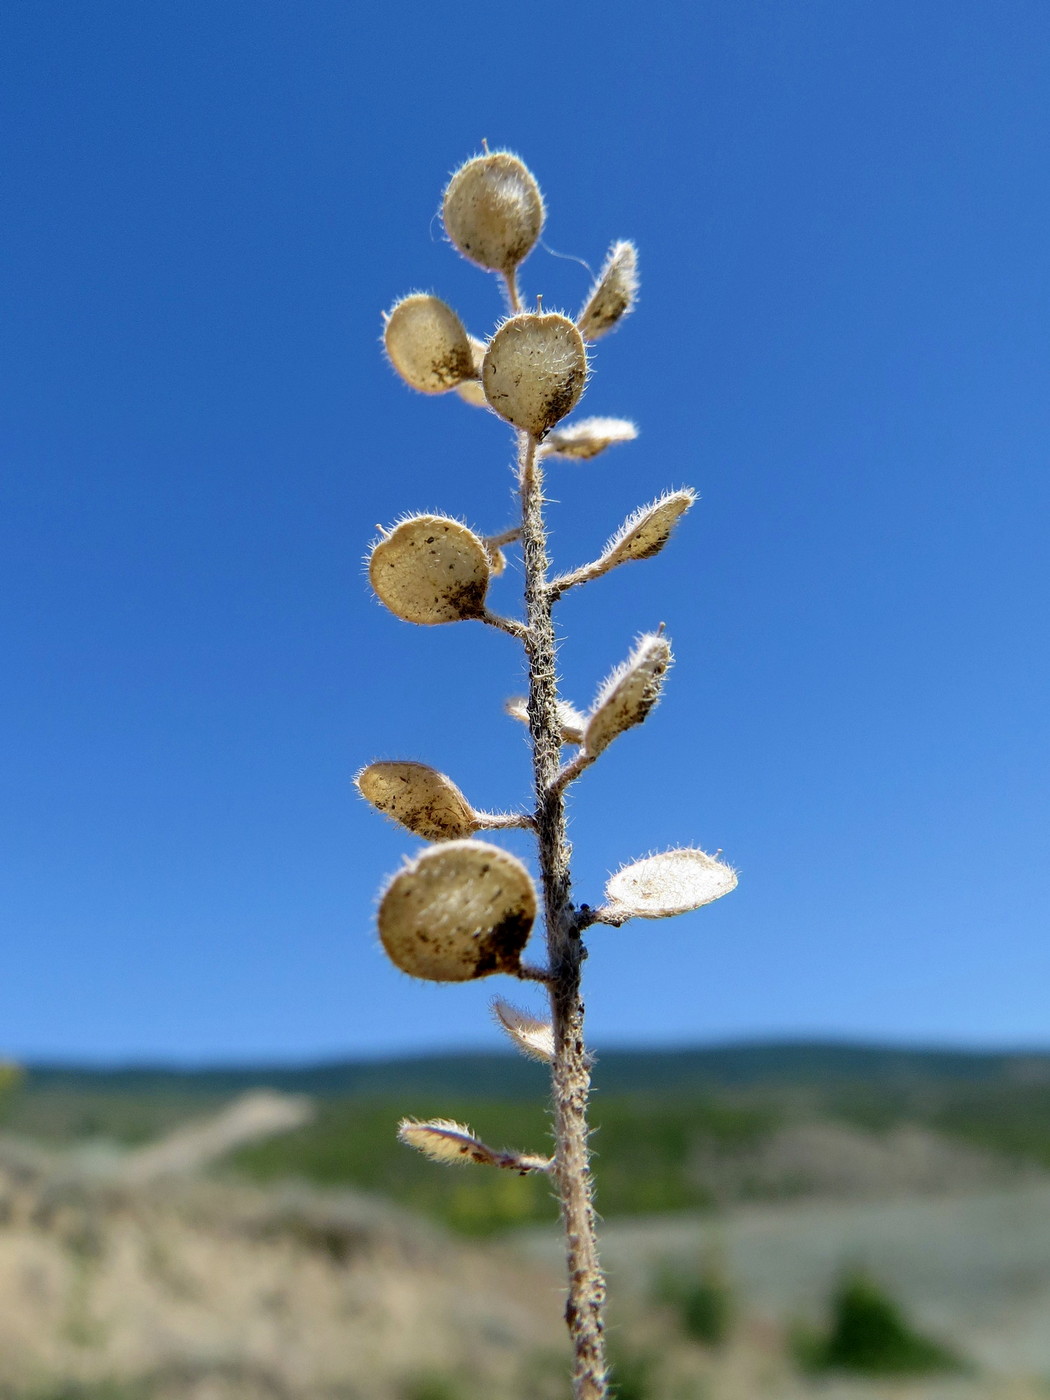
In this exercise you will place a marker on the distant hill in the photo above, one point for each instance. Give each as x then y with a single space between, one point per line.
748 1065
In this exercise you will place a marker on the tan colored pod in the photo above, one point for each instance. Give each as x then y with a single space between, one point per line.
629 694
535 370
419 798
428 345
493 211
583 440
647 530
459 911
613 295
672 883
431 569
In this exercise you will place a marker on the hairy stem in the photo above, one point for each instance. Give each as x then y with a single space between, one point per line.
571 1068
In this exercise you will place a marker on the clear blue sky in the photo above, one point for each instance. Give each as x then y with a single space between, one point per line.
843 212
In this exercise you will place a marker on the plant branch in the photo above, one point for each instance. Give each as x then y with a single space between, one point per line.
570 1070
510 625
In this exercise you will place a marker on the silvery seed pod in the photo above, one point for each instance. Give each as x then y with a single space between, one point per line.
419 798
431 569
629 694
535 370
583 440
647 530
428 345
613 295
672 883
493 211
459 911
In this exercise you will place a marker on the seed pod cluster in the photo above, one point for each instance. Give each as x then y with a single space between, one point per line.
463 909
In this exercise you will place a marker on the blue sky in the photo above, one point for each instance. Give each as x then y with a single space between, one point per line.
843 215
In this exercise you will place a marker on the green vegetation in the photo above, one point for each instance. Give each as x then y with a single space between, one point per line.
869 1335
702 1300
674 1130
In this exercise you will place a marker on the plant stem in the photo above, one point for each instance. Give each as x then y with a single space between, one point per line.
570 1073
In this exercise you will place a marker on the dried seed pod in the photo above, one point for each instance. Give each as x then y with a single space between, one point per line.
535 370
442 1140
613 295
588 437
419 798
646 531
572 723
671 883
629 694
471 390
431 569
493 211
459 911
533 1037
427 344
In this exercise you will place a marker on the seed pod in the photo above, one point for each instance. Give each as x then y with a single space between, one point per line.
570 721
459 911
471 390
419 798
493 211
427 344
629 694
442 1140
646 531
613 294
431 569
535 370
533 1037
671 883
588 437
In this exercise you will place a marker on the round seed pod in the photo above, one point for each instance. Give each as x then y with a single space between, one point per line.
428 345
459 911
431 569
419 798
671 883
493 211
628 695
535 370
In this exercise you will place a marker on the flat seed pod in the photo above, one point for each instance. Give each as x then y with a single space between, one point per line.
613 294
535 370
583 440
428 345
459 911
571 722
629 694
533 1037
647 530
455 1144
672 883
419 798
493 210
431 569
